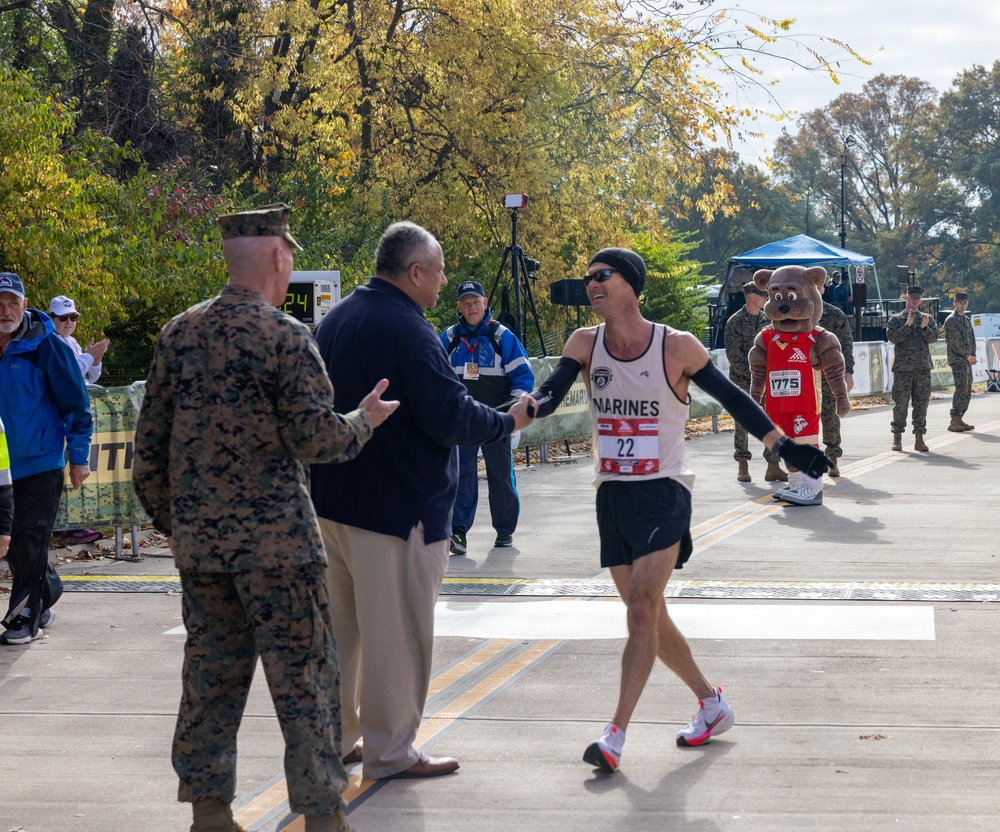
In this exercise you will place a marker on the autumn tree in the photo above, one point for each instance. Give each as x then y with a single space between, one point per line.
871 135
760 211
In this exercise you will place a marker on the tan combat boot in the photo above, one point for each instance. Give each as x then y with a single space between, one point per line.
833 470
897 441
212 815
965 425
956 425
328 823
918 442
743 475
775 473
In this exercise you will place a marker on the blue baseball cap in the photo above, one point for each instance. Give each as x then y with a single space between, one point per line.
471 287
10 282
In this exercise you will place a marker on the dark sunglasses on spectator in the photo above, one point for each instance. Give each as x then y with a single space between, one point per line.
600 276
65 318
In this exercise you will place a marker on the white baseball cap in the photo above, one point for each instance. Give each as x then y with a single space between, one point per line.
62 305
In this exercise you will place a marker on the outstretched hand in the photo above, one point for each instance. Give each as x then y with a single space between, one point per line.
807 458
523 411
378 410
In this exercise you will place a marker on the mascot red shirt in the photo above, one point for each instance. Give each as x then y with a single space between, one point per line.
793 394
786 360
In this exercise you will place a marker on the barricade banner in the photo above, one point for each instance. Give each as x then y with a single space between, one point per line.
979 374
107 497
993 353
571 419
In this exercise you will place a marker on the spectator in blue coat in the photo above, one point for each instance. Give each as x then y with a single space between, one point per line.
493 366
46 411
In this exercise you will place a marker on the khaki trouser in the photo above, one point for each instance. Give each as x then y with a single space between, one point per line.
382 596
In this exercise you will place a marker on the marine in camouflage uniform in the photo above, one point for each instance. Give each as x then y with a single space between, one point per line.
236 402
834 320
961 341
740 332
911 368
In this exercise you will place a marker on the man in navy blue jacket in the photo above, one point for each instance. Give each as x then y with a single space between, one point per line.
386 515
493 366
46 410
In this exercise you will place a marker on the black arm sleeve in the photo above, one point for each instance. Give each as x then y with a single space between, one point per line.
554 389
740 406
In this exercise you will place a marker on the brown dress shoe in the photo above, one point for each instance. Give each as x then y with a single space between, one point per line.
353 756
427 767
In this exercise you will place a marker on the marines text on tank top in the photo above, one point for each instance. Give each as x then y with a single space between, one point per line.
638 420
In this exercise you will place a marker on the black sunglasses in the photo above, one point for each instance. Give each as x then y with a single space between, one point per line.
600 276
65 318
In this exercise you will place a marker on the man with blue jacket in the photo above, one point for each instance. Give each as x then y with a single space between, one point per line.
46 410
491 363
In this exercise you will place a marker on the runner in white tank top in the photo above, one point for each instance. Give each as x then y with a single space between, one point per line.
638 420
637 374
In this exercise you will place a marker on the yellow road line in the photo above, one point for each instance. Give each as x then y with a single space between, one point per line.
432 727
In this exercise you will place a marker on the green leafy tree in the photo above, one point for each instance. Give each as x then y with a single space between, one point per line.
870 135
960 180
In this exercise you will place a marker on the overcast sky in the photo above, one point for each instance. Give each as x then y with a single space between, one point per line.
929 39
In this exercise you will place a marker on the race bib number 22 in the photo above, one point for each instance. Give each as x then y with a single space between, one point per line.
629 446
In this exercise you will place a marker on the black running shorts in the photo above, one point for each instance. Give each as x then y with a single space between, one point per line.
636 518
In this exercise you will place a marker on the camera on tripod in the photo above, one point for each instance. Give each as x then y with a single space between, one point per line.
522 271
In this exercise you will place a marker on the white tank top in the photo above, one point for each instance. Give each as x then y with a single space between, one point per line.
638 420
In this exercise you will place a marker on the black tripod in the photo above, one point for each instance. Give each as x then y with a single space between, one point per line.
521 269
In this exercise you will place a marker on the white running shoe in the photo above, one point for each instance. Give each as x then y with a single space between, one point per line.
802 495
606 752
46 618
713 717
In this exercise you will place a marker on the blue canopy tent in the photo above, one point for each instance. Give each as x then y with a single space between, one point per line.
800 250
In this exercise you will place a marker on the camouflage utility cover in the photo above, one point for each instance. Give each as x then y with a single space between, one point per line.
269 221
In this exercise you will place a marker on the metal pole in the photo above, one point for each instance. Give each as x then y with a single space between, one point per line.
515 251
843 204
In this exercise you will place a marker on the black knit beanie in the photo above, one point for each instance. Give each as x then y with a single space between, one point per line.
627 262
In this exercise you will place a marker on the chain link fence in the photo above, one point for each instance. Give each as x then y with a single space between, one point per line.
126 362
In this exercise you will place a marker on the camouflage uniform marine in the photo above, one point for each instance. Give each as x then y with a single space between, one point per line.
961 342
741 329
834 320
236 402
911 370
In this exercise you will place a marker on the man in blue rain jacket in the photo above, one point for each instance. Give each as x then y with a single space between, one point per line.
492 364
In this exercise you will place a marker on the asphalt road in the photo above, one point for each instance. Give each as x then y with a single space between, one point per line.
857 642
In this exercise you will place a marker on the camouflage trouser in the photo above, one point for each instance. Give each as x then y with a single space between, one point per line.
282 615
741 442
962 372
831 423
907 384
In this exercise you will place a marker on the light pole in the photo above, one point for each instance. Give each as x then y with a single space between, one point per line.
848 142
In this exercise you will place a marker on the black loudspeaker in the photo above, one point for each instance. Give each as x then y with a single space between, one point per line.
571 292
